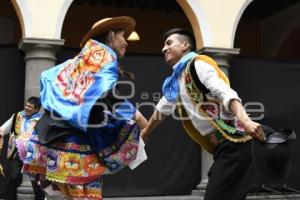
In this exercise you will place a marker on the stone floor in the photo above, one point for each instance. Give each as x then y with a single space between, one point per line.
25 194
157 198
189 197
195 197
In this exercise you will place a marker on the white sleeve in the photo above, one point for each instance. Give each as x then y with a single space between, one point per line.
165 107
209 77
5 128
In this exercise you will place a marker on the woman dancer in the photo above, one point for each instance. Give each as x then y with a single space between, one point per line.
87 130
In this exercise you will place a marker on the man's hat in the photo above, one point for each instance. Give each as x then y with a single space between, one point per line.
107 24
272 158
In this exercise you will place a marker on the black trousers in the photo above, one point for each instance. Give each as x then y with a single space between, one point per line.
232 172
14 176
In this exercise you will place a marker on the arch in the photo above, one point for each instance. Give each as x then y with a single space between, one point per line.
238 18
13 32
151 23
61 17
23 14
201 25
190 13
30 21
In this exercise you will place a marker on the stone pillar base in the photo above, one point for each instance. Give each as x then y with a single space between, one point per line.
264 196
25 192
200 191
55 197
256 196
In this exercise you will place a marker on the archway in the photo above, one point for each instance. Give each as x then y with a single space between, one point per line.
263 27
11 76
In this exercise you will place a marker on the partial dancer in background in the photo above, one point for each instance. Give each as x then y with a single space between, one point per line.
20 127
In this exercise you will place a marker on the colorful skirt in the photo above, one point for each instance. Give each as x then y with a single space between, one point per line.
75 163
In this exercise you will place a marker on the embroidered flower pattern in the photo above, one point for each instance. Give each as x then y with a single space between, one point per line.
238 125
76 77
230 129
71 164
92 166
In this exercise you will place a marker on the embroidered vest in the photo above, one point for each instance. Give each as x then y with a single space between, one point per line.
15 132
209 106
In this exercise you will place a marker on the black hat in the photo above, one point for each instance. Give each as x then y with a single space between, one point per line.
272 158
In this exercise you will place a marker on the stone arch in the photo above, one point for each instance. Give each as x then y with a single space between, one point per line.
190 13
238 18
10 20
203 27
24 17
30 15
286 37
248 26
151 23
61 17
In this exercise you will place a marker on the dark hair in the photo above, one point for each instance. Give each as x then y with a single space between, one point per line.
104 38
34 101
187 34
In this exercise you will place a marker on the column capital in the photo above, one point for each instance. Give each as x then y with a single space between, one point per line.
40 54
40 48
40 41
221 55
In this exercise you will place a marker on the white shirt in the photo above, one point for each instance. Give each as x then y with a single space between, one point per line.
5 128
208 76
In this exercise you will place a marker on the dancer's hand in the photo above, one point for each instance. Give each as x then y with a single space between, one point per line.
140 120
253 129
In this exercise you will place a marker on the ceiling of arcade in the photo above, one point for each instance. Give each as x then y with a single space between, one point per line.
153 18
152 22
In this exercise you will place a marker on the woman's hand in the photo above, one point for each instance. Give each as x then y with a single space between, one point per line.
145 135
140 120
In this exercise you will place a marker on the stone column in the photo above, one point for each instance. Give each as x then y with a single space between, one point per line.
222 57
39 56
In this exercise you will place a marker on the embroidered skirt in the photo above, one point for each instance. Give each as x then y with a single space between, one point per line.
75 163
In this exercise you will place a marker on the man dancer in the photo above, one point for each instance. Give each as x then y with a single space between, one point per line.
20 126
216 118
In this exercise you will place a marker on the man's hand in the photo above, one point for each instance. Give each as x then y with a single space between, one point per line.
253 129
